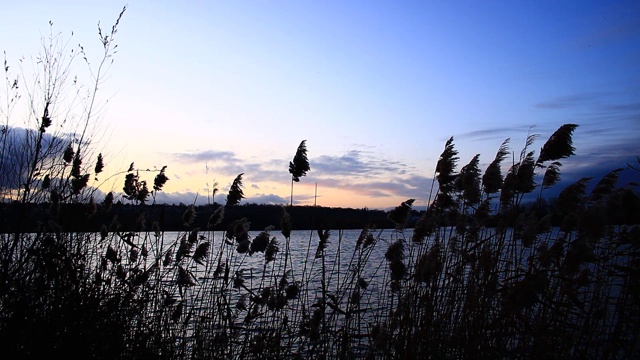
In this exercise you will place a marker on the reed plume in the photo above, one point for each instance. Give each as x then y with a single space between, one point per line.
216 217
201 253
559 145
299 166
400 214
606 185
572 197
285 223
445 168
524 180
160 179
551 175
492 178
260 242
235 191
99 164
468 181
322 244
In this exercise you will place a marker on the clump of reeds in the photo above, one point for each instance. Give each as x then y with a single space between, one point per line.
484 273
538 284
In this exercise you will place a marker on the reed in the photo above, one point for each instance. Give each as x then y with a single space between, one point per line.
483 274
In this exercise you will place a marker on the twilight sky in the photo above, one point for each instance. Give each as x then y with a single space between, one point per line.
216 88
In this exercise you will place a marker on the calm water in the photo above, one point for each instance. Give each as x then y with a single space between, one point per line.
343 264
340 258
342 270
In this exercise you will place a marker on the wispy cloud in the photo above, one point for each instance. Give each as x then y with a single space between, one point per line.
270 199
416 187
571 101
492 133
206 156
357 164
18 147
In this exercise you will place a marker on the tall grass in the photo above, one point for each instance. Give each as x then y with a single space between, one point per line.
482 274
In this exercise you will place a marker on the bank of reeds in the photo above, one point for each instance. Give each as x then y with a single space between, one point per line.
480 276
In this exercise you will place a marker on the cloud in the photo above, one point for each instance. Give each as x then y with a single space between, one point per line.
356 163
176 198
271 199
227 163
595 171
599 108
412 186
206 156
493 133
18 147
571 101
608 127
626 113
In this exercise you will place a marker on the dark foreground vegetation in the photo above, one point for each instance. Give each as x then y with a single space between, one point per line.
480 276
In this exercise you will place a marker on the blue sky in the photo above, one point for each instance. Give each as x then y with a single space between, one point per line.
216 88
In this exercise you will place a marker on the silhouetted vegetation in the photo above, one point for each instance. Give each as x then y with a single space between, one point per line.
299 166
481 275
79 217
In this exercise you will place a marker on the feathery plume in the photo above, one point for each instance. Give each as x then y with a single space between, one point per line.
525 175
67 156
185 277
184 249
235 191
572 196
446 166
272 250
400 214
363 235
300 164
559 145
551 175
322 244
216 217
606 185
260 242
492 178
468 181
189 216
424 226
395 256
160 179
201 253
99 164
285 223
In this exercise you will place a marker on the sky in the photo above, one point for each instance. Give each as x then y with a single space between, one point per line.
212 89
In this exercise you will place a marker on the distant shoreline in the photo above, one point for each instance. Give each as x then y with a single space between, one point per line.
31 218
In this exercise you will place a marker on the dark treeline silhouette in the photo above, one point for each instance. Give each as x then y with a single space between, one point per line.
29 218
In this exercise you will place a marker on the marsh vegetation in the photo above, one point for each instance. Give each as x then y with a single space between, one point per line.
479 275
